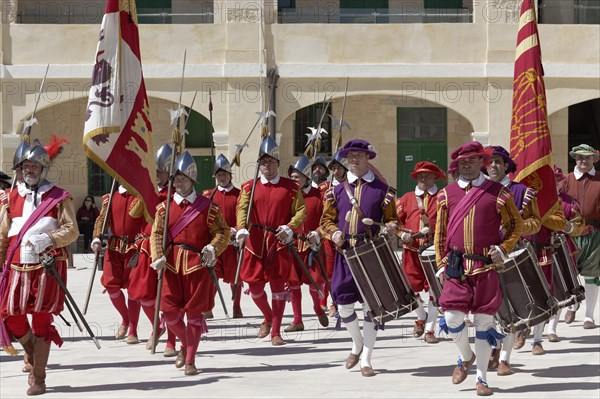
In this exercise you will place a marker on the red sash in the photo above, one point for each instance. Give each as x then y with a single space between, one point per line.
463 207
53 198
191 213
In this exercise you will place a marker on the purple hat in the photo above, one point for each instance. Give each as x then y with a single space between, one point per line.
498 150
358 145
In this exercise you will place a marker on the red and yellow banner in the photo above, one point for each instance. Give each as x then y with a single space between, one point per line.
530 143
118 135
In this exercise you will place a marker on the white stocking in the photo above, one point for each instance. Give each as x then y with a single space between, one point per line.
591 299
553 322
347 311
483 349
455 318
370 334
538 330
507 347
432 314
420 311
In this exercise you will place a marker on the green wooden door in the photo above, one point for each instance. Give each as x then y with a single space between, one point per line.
205 177
422 136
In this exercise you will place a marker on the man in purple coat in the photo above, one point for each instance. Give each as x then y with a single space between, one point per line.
377 201
468 243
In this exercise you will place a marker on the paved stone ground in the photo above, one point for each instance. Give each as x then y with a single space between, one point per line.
235 363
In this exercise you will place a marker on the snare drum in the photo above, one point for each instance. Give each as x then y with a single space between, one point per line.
565 283
427 258
528 300
380 279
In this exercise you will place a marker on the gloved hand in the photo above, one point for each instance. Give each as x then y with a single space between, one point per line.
232 233
406 237
391 228
96 245
39 242
241 236
284 234
338 238
314 239
568 228
159 264
208 255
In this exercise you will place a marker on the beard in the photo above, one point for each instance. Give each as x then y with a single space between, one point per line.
31 180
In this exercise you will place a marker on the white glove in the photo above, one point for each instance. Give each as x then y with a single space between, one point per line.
208 255
241 236
285 234
338 238
159 264
406 237
39 242
570 227
314 238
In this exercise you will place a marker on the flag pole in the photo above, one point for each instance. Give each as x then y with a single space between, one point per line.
100 255
176 138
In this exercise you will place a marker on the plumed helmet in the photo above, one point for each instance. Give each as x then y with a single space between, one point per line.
337 158
222 163
20 153
163 158
302 165
269 147
38 154
186 165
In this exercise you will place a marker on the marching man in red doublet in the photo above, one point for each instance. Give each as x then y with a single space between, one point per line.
314 208
277 209
143 279
39 217
196 235
468 243
126 221
225 195
416 211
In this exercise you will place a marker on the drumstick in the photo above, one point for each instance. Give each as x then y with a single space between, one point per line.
346 221
369 222
424 231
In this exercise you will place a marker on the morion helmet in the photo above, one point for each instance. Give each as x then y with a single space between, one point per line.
337 158
302 165
222 163
163 158
269 147
186 165
20 153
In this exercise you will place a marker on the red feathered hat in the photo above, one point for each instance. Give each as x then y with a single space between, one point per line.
428 167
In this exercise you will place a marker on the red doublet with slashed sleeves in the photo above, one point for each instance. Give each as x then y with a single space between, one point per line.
143 279
227 200
188 285
410 218
126 221
274 205
314 210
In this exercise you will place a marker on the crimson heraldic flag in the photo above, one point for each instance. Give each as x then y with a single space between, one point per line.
118 135
530 142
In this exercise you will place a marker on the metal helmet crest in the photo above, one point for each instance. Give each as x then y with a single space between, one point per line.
269 147
222 163
186 165
163 158
20 153
302 165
